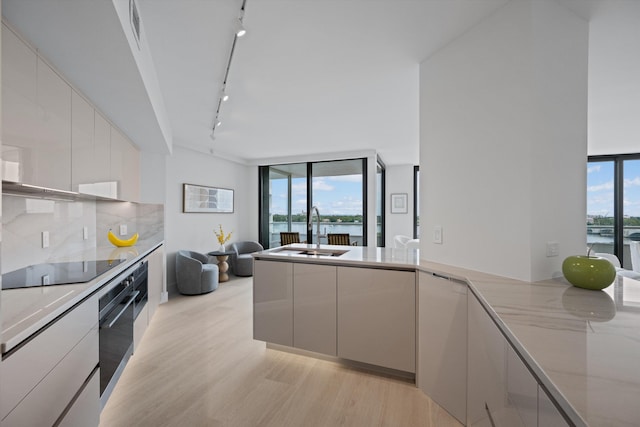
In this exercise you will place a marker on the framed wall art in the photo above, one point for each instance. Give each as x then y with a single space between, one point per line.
198 198
399 203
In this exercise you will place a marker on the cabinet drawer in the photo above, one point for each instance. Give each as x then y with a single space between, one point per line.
28 365
85 411
48 400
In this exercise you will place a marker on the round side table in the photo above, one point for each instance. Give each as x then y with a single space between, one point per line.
223 266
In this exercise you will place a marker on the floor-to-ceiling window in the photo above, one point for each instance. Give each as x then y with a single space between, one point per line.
380 191
416 202
288 192
613 204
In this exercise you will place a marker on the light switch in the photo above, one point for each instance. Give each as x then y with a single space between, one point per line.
437 234
85 233
45 239
553 249
123 229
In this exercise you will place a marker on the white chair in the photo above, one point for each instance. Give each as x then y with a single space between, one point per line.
400 241
413 244
634 247
611 257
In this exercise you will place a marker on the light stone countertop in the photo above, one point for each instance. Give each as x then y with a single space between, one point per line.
584 346
27 310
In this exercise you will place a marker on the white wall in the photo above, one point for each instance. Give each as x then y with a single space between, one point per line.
614 78
503 142
398 179
194 231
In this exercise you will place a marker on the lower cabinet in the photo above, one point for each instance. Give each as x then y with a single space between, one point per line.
548 414
377 317
442 349
501 391
361 314
85 410
41 379
273 302
314 308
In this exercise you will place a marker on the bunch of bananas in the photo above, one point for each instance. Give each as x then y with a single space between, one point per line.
120 242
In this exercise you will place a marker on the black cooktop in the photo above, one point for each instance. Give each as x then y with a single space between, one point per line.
58 273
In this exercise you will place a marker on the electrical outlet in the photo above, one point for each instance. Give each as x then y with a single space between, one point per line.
553 249
85 233
45 239
123 229
437 234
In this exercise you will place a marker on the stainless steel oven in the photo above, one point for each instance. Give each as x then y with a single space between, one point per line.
118 309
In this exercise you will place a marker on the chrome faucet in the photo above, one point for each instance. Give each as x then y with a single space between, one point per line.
310 223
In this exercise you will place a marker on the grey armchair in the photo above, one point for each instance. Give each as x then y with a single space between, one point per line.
241 259
194 275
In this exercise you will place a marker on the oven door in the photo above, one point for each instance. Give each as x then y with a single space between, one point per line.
116 341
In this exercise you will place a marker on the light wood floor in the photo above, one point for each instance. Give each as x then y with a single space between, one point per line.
198 365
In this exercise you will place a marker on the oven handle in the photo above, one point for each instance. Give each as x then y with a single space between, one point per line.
126 305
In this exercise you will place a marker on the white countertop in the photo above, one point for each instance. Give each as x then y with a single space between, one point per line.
27 310
584 346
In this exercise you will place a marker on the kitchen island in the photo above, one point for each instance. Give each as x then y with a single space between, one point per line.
559 355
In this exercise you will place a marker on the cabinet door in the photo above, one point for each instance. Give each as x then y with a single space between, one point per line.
102 148
125 166
314 308
85 410
155 279
131 173
273 302
19 109
83 161
487 400
522 390
376 317
548 414
442 352
53 151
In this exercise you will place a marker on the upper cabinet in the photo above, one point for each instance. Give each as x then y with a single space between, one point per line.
53 137
125 166
36 129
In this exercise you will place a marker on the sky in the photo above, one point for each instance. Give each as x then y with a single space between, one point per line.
600 188
333 195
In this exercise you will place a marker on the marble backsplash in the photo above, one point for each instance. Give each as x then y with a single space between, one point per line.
25 218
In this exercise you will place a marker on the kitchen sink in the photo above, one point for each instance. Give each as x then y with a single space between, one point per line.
314 252
323 252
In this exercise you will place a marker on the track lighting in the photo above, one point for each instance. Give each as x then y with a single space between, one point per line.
240 30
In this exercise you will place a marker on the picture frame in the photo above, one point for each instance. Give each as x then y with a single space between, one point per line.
399 203
203 199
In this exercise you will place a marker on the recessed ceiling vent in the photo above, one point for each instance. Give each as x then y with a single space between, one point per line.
134 18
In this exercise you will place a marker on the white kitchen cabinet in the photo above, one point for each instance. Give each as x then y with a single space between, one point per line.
442 338
140 326
19 109
314 308
36 122
52 154
548 414
273 302
83 162
125 166
41 378
376 317
90 149
85 410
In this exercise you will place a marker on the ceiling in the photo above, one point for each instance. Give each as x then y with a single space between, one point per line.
311 77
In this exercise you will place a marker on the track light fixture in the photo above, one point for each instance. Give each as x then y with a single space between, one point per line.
222 96
240 30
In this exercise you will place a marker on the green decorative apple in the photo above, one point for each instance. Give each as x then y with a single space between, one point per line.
588 272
